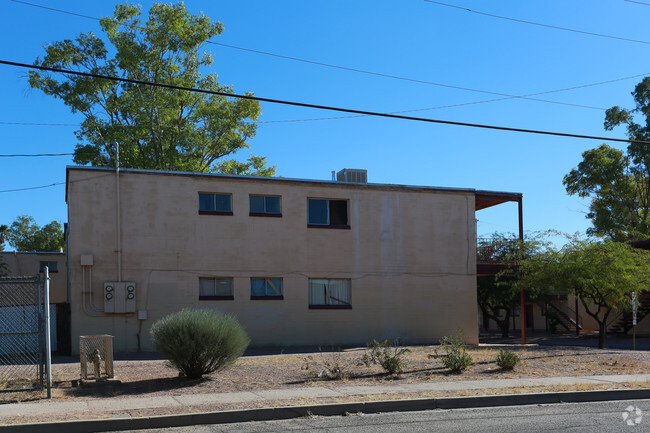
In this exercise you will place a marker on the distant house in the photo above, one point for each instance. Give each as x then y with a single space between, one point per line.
29 264
298 262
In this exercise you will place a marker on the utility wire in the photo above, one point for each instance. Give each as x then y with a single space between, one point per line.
600 35
396 112
35 154
33 187
55 10
362 71
39 124
319 107
640 3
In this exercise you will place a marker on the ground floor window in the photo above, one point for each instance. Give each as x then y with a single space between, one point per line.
211 289
329 293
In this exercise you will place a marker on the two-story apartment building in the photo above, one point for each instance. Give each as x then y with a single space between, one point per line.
298 262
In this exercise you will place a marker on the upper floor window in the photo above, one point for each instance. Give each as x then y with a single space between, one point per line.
215 204
328 213
51 266
265 205
266 288
215 289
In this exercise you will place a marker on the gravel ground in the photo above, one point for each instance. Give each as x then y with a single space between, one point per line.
423 364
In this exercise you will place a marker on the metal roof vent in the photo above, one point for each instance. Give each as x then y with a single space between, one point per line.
353 175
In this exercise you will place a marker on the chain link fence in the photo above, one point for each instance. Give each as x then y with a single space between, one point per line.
21 333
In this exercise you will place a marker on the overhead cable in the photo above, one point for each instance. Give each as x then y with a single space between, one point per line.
317 106
378 74
35 154
600 35
33 187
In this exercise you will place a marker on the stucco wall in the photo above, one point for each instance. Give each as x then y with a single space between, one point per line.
410 256
28 264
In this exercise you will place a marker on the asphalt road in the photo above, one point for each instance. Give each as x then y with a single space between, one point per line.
568 417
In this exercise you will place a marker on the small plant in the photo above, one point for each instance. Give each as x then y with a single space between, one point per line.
456 357
331 365
198 342
507 360
391 358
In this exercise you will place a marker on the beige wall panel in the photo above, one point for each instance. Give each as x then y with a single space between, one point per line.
28 264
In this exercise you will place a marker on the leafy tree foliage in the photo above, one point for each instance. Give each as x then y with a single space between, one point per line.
498 295
602 275
3 233
618 182
156 128
25 235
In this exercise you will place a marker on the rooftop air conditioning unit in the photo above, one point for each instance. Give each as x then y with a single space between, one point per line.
354 175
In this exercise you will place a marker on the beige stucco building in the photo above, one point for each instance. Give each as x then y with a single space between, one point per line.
20 263
298 262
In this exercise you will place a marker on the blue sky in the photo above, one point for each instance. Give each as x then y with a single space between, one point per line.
412 39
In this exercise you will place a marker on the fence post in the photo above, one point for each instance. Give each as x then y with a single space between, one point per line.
48 348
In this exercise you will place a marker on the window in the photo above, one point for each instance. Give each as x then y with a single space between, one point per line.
215 204
265 205
51 267
266 288
215 289
328 213
329 293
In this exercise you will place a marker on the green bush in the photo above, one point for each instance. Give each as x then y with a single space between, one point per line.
198 342
507 359
383 353
456 357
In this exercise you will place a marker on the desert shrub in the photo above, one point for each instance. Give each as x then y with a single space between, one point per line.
507 359
198 342
456 357
330 366
389 357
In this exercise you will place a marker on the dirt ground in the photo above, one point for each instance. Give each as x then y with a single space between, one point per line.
251 373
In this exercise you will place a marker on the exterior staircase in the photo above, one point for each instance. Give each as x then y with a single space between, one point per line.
624 322
564 320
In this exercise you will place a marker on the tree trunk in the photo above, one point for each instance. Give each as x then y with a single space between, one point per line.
602 332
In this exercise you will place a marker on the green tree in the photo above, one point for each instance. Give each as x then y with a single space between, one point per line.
602 275
618 182
25 235
498 295
3 233
156 128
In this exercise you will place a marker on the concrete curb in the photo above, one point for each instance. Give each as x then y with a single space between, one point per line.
335 409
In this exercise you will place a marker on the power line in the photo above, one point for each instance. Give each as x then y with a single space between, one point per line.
363 71
396 77
400 111
33 187
39 124
640 3
600 35
319 107
56 10
35 154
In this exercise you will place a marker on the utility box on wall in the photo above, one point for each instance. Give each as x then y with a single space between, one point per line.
119 297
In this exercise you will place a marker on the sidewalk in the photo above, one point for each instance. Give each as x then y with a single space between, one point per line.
114 410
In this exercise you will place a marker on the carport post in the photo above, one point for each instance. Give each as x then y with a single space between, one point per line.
521 256
48 348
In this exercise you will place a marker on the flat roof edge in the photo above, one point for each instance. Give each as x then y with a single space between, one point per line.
368 185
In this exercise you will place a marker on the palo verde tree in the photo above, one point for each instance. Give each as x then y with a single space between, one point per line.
602 275
498 295
617 182
156 128
25 235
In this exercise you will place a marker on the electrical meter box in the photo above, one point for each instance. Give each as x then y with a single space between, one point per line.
119 297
